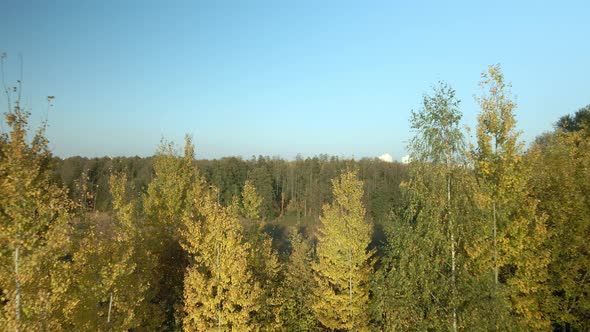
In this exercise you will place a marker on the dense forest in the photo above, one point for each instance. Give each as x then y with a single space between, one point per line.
482 234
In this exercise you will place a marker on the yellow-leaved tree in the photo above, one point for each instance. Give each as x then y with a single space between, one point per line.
251 201
219 290
262 258
164 206
112 270
34 229
511 245
344 267
296 290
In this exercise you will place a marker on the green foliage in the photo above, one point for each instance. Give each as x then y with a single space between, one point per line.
579 121
261 179
561 183
418 286
297 188
438 138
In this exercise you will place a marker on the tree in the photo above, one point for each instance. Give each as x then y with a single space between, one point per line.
511 245
402 284
561 181
261 179
296 291
343 267
580 120
262 258
251 201
112 270
34 228
165 203
219 291
267 273
420 279
440 141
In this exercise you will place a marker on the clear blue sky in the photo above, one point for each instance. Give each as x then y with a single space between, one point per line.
283 77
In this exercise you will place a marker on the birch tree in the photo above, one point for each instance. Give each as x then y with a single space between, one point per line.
512 246
34 228
421 283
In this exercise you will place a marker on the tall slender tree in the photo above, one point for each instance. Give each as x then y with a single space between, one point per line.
421 271
344 260
439 140
512 246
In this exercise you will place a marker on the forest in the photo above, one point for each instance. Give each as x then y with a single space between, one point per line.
482 234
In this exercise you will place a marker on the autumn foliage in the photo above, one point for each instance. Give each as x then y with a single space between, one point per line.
481 236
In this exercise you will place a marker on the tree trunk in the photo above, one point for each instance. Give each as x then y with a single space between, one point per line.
218 283
350 283
495 244
18 289
95 197
453 260
110 307
494 218
282 203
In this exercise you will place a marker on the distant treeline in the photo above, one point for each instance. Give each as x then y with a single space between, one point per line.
289 188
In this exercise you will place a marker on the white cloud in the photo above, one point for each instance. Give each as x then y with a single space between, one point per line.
406 159
386 157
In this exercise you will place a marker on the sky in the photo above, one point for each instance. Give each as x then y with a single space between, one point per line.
282 78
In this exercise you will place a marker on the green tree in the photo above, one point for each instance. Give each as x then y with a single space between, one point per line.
561 182
261 179
580 120
403 285
420 283
344 267
439 140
